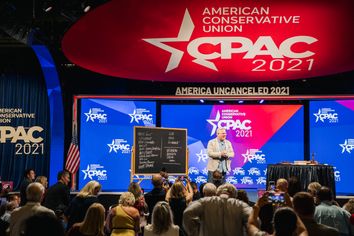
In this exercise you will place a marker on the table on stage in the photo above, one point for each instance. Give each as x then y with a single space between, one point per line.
324 174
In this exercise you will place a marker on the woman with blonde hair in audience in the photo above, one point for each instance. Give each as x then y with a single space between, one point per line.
140 203
83 200
123 220
43 180
93 224
162 223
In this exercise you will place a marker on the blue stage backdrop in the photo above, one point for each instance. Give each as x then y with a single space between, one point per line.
260 135
106 139
332 139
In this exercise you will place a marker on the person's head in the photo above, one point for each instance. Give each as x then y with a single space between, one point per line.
221 134
163 172
194 186
304 204
93 223
156 181
14 198
226 191
161 218
10 206
177 190
43 180
282 185
349 206
127 199
284 220
209 190
64 177
313 188
324 194
242 195
43 224
135 189
92 188
294 185
30 174
34 192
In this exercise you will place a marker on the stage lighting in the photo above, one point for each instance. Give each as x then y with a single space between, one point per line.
201 101
261 101
221 101
240 101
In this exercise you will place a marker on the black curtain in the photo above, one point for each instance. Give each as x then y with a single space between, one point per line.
22 89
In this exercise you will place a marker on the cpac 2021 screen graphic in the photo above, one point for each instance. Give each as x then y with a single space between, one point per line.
260 135
106 139
332 139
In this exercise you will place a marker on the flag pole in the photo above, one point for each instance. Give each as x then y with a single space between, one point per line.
74 132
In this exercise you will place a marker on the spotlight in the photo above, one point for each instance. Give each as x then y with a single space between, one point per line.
261 101
241 101
201 101
221 101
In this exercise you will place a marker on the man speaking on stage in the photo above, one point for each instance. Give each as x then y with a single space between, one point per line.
219 151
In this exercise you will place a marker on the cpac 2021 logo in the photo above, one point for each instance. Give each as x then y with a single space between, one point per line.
228 124
227 49
95 171
120 145
141 114
347 146
96 114
254 154
326 114
26 134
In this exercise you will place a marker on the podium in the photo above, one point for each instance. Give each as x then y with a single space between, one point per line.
324 174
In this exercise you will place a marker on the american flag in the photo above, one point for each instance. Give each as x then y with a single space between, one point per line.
73 158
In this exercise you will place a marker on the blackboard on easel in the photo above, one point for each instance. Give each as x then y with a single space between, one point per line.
155 148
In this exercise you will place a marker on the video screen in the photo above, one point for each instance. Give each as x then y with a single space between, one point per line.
260 135
106 139
332 139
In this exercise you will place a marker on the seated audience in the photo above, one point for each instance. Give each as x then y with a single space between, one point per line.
43 224
162 223
304 206
34 195
157 194
329 214
93 223
124 218
218 215
84 199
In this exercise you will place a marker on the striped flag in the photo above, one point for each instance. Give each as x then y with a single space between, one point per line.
73 158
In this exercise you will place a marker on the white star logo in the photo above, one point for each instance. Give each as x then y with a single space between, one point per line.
184 35
133 117
215 126
247 157
318 114
89 117
86 172
344 146
202 156
112 146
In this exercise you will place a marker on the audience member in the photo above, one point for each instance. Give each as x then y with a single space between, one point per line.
43 180
179 196
14 198
9 207
217 178
84 199
226 191
242 195
196 193
58 195
201 186
330 214
313 189
304 206
285 221
93 223
209 190
349 206
162 222
218 215
294 186
282 185
140 203
29 177
124 218
34 195
43 224
157 194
